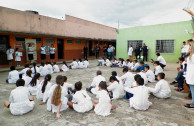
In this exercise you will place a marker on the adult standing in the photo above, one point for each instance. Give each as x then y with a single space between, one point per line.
105 50
130 52
17 57
190 74
137 52
9 55
42 53
52 53
110 50
145 52
85 52
113 50
183 49
30 53
97 51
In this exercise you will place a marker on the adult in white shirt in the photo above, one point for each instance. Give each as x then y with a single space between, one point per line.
127 78
150 74
9 55
20 102
52 53
183 49
55 68
162 89
161 60
94 86
139 101
13 76
17 57
130 51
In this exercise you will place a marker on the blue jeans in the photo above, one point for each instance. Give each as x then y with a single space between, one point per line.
128 95
192 92
6 80
183 54
180 79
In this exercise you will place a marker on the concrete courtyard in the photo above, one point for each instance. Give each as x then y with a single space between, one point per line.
167 112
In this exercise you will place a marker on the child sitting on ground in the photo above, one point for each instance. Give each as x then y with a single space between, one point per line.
55 68
135 65
34 84
80 64
162 89
64 68
43 69
103 105
74 64
20 102
86 63
23 72
150 74
143 75
13 76
108 63
67 86
81 101
28 77
158 69
139 101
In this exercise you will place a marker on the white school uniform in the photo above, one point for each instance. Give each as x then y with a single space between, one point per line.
43 70
130 65
143 75
187 48
33 71
96 82
9 55
20 103
139 101
66 85
82 101
33 90
114 87
158 69
23 72
161 90
161 60
134 67
13 77
17 57
74 65
190 71
115 62
27 80
43 96
150 75
102 61
56 68
49 69
121 87
80 65
103 107
130 51
108 63
124 64
64 100
183 49
64 68
86 64
128 79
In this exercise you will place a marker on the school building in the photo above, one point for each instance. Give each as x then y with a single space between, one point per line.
68 36
163 38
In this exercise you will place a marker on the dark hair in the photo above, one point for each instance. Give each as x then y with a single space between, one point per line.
64 62
54 63
65 78
141 62
34 65
147 66
9 47
12 68
125 69
34 79
103 85
42 63
137 70
74 59
20 82
135 60
128 60
184 42
26 65
158 54
60 80
86 59
16 49
98 72
78 86
113 78
136 76
80 60
114 73
190 40
161 75
46 79
140 81
157 62
29 73
181 59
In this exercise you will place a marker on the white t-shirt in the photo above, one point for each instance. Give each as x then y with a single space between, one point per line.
9 55
161 60
183 49
128 79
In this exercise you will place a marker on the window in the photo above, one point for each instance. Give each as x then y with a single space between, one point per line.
84 42
77 41
69 41
38 40
20 39
49 40
165 46
134 43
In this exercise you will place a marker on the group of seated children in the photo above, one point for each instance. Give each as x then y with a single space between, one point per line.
79 64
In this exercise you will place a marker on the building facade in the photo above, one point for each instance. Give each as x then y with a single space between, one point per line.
68 36
164 38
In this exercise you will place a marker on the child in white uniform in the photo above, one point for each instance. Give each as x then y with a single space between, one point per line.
67 86
23 72
162 89
20 102
27 78
86 63
55 68
143 75
103 105
135 65
64 68
13 76
74 64
108 63
34 84
34 69
158 69
81 101
127 78
150 74
139 101
80 64
49 68
43 70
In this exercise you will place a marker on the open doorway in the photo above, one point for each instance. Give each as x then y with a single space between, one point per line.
4 42
90 48
60 48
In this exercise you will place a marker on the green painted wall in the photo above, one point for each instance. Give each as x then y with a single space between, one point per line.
149 35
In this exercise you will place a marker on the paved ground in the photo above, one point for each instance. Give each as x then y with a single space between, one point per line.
162 112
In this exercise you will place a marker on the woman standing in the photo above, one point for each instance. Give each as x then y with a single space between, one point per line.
52 53
190 74
9 55
43 53
30 53
17 57
130 52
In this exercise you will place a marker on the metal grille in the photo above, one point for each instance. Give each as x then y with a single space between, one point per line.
134 43
165 46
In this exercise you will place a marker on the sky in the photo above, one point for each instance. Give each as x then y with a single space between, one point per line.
129 13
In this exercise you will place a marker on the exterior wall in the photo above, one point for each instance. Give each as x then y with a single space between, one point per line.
149 35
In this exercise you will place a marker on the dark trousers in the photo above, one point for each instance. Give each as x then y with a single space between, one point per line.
145 57
180 79
97 55
128 95
85 55
162 65
136 55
